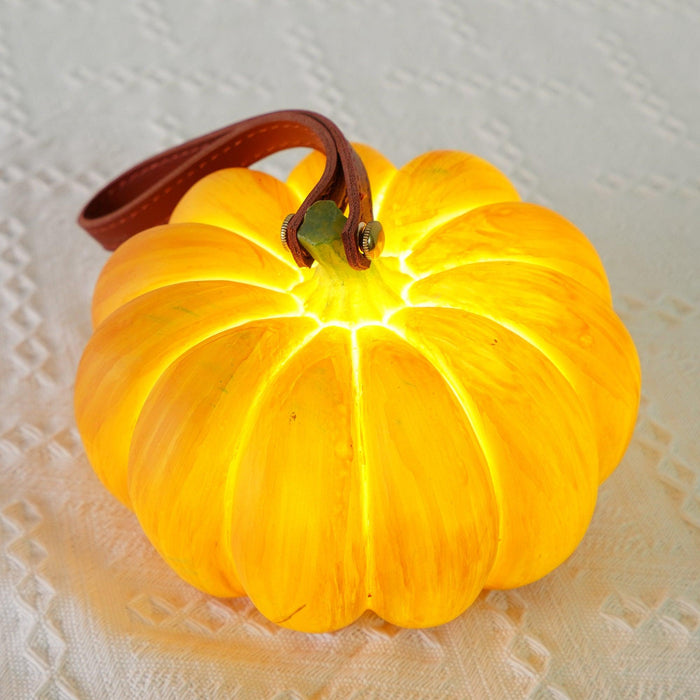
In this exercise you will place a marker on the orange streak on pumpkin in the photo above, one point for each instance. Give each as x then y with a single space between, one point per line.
533 428
434 188
176 253
216 200
187 441
132 348
296 505
572 326
512 231
432 512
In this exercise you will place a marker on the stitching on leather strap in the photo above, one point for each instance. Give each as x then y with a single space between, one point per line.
143 197
124 180
268 151
184 153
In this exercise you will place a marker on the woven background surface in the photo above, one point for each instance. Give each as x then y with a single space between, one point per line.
592 107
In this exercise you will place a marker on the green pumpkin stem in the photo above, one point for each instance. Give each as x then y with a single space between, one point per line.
321 233
337 293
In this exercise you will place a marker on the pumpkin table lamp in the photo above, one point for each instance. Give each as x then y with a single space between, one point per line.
327 426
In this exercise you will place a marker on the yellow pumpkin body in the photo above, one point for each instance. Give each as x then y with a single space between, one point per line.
329 440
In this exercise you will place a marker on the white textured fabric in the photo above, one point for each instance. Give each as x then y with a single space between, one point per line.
591 106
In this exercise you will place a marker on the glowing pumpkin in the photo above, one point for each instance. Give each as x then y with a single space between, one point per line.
329 440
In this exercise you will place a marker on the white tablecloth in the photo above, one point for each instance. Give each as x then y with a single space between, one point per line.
591 106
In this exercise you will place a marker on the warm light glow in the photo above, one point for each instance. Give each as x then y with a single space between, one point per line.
329 440
362 461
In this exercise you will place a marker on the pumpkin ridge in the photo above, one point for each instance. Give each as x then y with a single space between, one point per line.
194 457
268 250
436 523
211 337
578 474
433 225
530 341
245 434
501 322
468 407
359 444
442 180
272 252
224 283
118 324
212 184
278 255
514 261
546 219
582 311
186 252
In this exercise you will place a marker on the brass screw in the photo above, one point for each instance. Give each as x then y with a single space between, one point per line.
283 232
371 238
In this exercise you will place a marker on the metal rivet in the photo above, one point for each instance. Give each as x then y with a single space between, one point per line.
283 231
371 238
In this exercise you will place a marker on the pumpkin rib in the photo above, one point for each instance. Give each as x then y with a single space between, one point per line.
448 537
434 188
172 452
207 202
516 331
502 324
281 292
568 467
297 511
486 315
164 369
218 332
359 442
605 393
268 249
85 399
232 327
519 261
246 433
542 227
171 228
433 226
154 259
499 322
467 405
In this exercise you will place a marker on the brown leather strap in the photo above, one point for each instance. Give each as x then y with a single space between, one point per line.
146 195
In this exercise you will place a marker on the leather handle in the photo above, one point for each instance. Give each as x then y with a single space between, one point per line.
146 195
